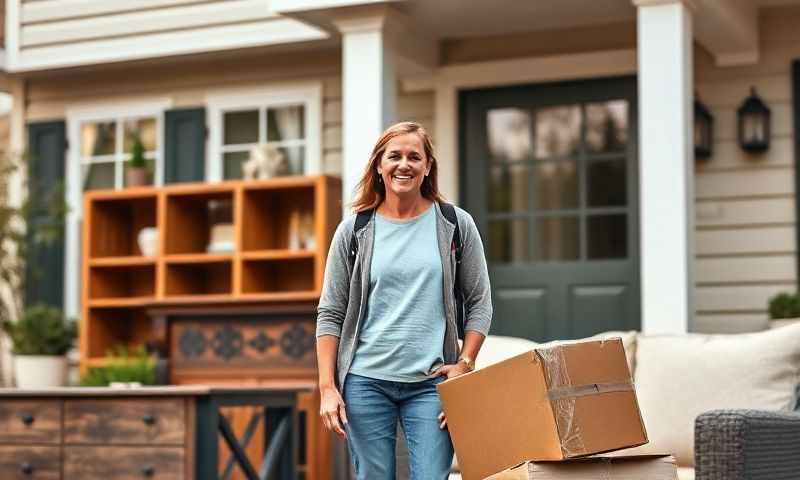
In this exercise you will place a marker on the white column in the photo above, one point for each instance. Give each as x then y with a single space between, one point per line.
666 159
368 94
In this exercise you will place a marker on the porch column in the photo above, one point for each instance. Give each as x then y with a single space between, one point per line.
666 159
368 93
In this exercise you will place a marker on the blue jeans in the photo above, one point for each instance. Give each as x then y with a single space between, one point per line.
373 408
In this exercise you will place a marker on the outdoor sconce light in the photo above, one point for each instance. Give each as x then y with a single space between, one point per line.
703 131
754 124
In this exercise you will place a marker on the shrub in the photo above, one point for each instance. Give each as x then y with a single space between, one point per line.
123 365
784 305
42 330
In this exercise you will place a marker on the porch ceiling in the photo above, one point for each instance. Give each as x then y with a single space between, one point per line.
450 19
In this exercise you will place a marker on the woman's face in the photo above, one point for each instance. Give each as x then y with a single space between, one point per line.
404 165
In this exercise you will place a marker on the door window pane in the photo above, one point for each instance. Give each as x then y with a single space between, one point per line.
98 138
607 126
558 131
232 164
556 185
146 128
557 238
606 183
97 175
241 127
607 236
509 187
508 241
285 123
509 132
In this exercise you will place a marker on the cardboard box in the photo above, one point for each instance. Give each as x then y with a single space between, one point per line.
650 467
552 403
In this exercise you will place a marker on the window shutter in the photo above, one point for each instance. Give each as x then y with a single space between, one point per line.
44 270
185 145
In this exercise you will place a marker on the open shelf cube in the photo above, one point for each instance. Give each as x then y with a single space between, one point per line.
278 276
122 281
191 216
116 326
199 278
272 215
116 223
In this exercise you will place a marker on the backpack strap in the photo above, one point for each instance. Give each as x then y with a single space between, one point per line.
449 213
362 218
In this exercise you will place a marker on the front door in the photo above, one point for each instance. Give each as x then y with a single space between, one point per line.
550 176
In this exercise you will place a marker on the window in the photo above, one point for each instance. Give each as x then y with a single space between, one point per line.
99 138
105 148
278 128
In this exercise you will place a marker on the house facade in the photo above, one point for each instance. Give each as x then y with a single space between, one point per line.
565 128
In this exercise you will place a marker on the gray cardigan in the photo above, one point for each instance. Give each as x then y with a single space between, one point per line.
345 294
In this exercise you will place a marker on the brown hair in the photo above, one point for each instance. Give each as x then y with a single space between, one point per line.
371 192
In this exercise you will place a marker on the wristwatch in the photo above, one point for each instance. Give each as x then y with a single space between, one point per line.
470 363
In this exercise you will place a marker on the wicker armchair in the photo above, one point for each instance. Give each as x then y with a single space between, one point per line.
747 444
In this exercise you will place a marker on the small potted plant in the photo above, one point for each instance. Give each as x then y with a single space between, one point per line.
784 308
40 341
124 368
137 174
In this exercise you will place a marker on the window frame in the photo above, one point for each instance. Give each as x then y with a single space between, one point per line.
76 115
219 102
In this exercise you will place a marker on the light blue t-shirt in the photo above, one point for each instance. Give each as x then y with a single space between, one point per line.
402 336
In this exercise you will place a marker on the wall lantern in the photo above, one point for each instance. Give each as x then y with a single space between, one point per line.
754 124
703 131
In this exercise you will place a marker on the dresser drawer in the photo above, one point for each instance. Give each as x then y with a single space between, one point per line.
129 421
123 463
30 421
30 463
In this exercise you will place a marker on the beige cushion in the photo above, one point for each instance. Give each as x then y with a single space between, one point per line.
685 473
679 377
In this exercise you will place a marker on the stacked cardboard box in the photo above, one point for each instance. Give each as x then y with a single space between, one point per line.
547 407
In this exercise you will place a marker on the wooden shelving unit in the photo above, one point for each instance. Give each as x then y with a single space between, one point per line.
120 283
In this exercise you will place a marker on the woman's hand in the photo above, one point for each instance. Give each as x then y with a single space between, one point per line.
331 409
451 371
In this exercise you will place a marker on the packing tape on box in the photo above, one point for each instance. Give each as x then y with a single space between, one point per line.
562 394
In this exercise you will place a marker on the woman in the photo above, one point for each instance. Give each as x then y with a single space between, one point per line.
386 327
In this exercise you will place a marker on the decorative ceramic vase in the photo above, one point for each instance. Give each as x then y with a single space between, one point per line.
148 241
40 371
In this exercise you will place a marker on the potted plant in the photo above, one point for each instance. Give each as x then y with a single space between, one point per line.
40 341
123 368
137 173
784 308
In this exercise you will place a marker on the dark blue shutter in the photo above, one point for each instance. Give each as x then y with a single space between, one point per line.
44 270
184 145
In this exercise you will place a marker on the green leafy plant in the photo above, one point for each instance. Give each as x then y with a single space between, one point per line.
42 330
137 152
784 305
122 365
18 240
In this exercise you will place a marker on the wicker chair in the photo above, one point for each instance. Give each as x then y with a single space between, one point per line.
747 445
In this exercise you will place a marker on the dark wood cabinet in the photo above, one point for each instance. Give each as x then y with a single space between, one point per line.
149 433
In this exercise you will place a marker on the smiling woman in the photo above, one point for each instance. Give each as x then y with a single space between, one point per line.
381 358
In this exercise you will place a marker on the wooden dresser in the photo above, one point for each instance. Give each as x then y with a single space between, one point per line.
163 433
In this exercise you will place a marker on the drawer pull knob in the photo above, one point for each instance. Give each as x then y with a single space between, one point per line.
26 468
149 419
148 471
27 419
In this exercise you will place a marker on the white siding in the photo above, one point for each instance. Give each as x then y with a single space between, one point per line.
61 33
746 243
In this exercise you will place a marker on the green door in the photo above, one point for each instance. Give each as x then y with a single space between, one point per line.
550 176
